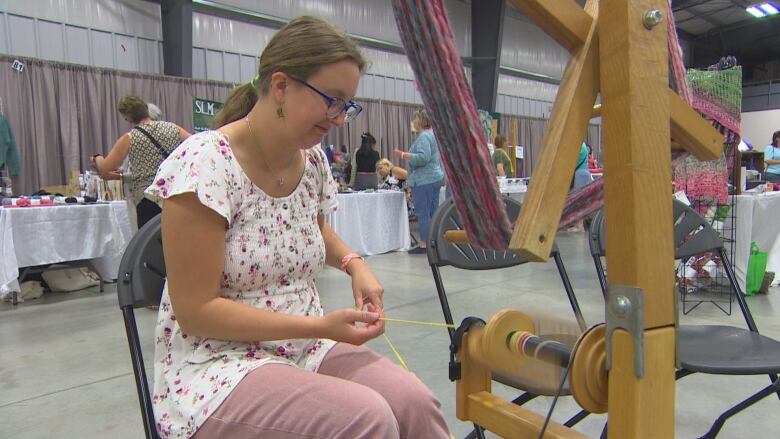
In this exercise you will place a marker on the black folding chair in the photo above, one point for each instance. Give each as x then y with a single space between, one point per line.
140 283
711 349
468 257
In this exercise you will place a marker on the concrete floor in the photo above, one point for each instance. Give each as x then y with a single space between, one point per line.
65 370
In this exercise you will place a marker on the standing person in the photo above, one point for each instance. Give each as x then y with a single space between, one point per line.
501 159
364 163
425 175
772 159
581 172
244 348
146 145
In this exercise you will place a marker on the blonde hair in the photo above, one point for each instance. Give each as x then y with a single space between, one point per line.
133 108
299 49
422 119
384 162
500 141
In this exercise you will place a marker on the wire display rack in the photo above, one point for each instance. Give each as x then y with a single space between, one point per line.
702 278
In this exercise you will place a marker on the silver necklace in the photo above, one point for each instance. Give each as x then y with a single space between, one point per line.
279 180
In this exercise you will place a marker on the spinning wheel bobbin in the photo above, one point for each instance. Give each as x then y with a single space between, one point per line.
501 346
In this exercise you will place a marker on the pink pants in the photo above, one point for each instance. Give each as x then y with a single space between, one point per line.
356 394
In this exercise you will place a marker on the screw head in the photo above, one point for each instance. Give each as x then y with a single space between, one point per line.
621 305
652 18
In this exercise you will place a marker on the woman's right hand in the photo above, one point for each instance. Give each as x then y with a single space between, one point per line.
341 325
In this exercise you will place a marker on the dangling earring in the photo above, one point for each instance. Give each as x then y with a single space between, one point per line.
280 112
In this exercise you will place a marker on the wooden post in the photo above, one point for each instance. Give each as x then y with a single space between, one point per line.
636 118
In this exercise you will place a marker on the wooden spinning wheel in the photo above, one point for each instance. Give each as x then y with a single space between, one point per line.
620 52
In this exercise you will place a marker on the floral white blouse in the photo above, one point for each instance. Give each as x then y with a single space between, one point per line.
273 252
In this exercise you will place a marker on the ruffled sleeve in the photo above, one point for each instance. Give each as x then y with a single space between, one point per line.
328 188
205 166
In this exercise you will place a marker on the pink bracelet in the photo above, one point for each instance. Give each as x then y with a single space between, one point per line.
347 259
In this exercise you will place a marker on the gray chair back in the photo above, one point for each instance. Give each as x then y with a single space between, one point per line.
466 256
692 234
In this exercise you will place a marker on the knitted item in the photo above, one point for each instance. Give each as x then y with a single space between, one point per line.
430 47
718 95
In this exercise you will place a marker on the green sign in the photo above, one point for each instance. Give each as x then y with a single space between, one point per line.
203 112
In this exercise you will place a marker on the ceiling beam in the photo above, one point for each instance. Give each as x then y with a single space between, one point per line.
681 5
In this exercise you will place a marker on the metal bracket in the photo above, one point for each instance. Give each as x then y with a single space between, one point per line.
625 311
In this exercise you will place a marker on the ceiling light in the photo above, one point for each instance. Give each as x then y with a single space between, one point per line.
754 11
769 8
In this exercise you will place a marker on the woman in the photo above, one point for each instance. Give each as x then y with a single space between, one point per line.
581 172
364 163
243 346
391 177
146 145
501 159
425 175
772 159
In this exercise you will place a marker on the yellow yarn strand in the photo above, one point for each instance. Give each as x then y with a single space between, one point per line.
412 322
397 354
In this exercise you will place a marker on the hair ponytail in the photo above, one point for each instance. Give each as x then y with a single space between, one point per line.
238 104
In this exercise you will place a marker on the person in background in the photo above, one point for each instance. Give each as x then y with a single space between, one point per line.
772 159
425 175
126 175
581 173
581 178
154 112
244 348
501 160
365 158
329 154
343 152
145 146
593 167
391 177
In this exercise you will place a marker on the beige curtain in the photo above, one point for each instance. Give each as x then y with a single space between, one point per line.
530 133
61 114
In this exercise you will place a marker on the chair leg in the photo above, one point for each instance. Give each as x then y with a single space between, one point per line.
737 290
142 386
600 274
761 394
524 398
576 418
575 306
445 306
478 433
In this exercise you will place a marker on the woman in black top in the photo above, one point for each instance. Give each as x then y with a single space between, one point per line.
364 161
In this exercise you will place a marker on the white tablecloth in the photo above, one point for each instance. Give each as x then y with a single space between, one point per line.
32 236
372 223
758 219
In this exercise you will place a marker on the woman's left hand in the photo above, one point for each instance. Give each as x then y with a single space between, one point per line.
365 286
398 153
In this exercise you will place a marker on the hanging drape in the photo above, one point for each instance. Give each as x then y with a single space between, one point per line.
61 114
530 133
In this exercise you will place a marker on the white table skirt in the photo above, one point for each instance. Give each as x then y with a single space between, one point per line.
372 223
757 220
45 235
